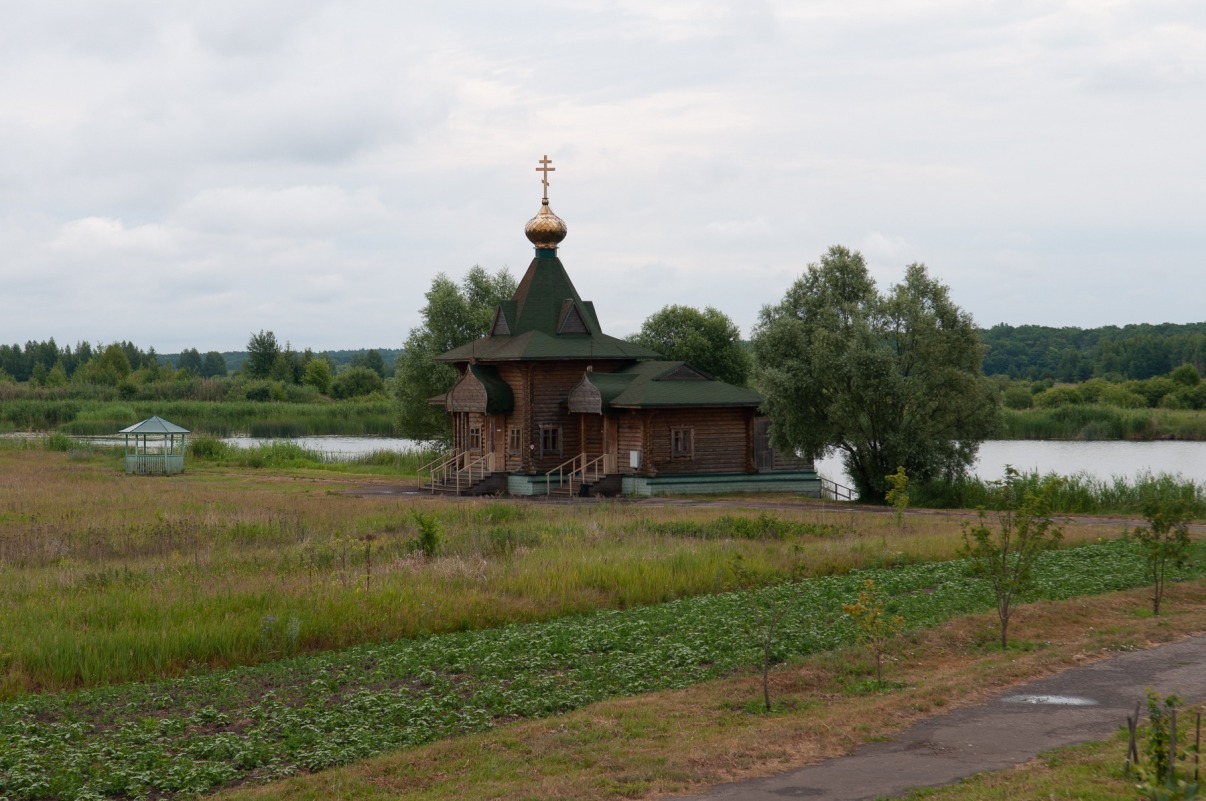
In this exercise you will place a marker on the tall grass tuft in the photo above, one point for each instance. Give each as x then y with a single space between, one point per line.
1078 494
1101 422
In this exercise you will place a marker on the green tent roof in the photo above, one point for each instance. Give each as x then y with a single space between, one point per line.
154 425
546 319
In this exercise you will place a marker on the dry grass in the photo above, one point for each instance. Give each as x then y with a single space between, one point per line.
681 742
107 578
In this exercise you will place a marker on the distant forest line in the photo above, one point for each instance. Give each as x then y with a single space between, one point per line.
1027 352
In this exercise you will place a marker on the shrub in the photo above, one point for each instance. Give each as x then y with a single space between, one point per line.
1058 396
208 448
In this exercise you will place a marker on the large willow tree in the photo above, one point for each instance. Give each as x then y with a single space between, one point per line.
889 380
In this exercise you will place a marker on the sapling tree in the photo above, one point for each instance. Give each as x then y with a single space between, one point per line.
1164 542
898 494
875 627
765 612
1005 554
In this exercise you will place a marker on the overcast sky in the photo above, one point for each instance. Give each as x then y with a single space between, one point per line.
182 174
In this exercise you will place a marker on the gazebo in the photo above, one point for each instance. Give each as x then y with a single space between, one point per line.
155 447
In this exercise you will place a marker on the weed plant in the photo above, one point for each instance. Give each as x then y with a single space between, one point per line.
188 735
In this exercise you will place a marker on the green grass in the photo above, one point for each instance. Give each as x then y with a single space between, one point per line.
1078 494
220 418
187 735
1101 422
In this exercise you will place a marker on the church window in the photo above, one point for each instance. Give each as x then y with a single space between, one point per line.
514 439
682 443
550 440
475 438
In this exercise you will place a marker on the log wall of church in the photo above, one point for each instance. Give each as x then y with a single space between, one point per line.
720 438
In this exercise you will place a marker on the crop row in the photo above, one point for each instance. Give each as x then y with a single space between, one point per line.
199 732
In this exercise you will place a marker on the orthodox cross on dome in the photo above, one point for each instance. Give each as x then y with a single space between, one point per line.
546 169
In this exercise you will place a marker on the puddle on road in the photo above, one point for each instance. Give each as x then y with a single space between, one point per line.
1052 700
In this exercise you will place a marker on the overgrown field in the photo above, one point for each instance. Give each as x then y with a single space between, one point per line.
288 620
201 731
108 578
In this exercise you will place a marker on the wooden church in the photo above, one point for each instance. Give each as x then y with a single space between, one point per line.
547 403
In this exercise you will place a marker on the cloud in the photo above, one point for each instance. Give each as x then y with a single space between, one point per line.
298 211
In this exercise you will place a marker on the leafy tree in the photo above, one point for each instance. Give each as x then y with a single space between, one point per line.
110 367
706 339
1006 556
1164 542
372 360
355 382
453 316
215 365
1186 375
318 375
57 377
262 353
888 380
190 361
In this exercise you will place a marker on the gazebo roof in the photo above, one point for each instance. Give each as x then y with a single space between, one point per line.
154 425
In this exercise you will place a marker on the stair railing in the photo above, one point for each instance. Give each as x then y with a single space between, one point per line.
835 491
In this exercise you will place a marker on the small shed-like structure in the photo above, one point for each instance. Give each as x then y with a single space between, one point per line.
155 447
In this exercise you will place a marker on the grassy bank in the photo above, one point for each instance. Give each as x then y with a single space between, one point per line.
1102 422
1078 494
188 735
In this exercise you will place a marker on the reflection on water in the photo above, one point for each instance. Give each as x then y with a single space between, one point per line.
1103 460
335 447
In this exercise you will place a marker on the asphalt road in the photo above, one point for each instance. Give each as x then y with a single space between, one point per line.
1079 705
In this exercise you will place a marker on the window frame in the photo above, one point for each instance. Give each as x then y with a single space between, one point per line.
552 440
682 442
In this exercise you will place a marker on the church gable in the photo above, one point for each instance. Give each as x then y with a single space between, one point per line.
501 327
572 320
684 372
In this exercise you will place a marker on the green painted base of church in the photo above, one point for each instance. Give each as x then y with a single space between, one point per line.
799 482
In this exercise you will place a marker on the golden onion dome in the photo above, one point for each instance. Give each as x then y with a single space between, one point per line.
546 229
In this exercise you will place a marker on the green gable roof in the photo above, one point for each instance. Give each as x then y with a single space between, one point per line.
654 384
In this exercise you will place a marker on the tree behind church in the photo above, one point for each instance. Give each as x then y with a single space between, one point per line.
705 339
888 380
454 315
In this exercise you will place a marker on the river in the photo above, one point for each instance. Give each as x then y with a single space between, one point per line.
1102 459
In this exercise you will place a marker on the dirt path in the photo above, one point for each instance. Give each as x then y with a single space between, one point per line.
1078 705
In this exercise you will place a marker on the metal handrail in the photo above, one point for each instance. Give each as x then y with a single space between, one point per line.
835 491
